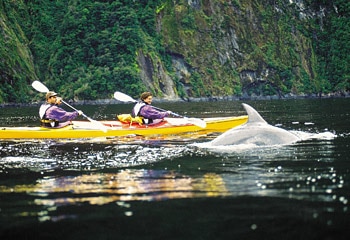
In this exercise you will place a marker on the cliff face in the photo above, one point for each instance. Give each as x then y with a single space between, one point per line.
239 46
16 60
182 48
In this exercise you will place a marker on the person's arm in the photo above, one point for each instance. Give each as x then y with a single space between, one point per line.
60 114
151 113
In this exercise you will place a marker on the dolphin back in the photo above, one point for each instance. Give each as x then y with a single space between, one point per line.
256 131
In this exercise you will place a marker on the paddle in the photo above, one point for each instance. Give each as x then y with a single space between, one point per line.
40 87
126 98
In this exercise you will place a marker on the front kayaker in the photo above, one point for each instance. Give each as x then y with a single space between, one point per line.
52 116
144 109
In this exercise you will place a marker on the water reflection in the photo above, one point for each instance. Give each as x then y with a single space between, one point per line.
52 192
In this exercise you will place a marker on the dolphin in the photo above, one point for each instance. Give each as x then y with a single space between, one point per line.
255 131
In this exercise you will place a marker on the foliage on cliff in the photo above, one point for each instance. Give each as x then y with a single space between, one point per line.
89 49
16 63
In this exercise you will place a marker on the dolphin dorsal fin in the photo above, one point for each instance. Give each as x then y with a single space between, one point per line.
253 115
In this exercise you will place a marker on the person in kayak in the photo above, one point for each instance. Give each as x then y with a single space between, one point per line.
144 109
52 116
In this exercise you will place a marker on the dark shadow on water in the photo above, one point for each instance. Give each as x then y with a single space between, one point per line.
209 218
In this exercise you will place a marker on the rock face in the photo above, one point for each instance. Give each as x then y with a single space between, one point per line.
222 48
155 77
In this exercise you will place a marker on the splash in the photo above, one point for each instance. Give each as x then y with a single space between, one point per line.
305 136
90 156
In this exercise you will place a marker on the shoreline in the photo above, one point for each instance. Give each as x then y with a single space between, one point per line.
201 99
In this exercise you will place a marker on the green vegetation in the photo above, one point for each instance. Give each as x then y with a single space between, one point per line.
93 52
332 47
89 49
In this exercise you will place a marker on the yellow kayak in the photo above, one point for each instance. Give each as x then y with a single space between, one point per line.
85 129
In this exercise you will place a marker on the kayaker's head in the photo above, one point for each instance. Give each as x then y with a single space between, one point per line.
146 97
51 97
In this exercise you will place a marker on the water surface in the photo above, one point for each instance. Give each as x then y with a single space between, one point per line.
159 188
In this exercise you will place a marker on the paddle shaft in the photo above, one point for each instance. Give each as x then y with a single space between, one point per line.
100 125
163 110
74 109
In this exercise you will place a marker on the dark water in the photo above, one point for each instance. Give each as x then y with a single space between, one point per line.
166 189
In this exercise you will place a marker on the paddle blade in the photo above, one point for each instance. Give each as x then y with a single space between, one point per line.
123 97
182 121
198 122
40 87
98 125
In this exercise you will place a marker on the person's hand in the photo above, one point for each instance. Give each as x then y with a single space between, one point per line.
80 112
58 100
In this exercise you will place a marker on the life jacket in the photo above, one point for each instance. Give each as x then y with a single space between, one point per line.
136 112
44 121
127 118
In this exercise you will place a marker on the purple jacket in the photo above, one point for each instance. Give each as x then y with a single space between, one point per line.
150 115
53 112
149 112
60 114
